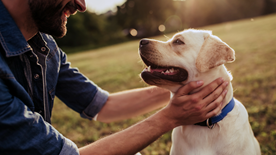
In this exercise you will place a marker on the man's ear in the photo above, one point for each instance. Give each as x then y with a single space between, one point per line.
213 53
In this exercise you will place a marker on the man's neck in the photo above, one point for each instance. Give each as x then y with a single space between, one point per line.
20 12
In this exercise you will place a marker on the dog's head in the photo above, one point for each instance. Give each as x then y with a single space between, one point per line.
187 56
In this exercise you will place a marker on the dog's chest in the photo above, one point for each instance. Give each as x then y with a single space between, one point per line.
230 136
197 140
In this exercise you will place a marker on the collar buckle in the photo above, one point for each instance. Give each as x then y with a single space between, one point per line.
208 124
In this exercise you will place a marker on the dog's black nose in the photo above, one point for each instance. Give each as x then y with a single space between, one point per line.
144 42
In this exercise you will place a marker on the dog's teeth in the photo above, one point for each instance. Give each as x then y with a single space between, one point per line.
149 68
167 71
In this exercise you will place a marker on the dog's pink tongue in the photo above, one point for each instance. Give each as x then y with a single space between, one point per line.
157 70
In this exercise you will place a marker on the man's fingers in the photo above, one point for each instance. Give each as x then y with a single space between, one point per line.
215 107
216 93
188 88
214 112
210 88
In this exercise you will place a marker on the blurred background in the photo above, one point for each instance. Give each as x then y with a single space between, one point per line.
103 44
113 21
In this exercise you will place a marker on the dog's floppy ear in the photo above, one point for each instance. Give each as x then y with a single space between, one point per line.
213 53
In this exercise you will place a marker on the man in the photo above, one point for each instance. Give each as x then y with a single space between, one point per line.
33 70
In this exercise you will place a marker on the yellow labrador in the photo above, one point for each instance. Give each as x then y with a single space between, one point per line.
194 55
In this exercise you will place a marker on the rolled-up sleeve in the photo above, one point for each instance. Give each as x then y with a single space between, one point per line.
25 132
78 92
69 148
96 105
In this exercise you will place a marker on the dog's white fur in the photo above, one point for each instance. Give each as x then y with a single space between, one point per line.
203 55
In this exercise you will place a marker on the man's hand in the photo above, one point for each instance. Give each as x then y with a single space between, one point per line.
185 109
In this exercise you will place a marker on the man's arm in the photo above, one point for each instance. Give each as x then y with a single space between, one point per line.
183 109
130 103
23 131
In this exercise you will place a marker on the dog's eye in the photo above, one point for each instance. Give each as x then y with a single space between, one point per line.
178 42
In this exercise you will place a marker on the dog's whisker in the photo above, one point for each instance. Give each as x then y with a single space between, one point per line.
168 38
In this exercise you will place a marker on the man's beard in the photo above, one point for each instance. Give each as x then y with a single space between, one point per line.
47 16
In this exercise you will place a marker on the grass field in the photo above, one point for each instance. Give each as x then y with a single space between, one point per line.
117 68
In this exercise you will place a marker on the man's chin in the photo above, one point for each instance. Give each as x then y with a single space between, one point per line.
62 31
60 35
58 32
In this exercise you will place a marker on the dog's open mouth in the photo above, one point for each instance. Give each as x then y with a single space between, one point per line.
174 74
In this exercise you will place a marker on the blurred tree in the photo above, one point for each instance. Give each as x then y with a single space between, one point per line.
90 29
144 15
270 6
205 12
79 27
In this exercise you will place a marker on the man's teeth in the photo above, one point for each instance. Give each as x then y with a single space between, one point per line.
67 14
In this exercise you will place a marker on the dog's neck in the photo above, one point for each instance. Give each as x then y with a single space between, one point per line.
210 76
221 71
217 72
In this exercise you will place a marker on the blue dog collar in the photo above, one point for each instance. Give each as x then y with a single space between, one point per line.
213 120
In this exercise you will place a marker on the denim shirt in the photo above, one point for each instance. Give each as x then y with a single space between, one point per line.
28 87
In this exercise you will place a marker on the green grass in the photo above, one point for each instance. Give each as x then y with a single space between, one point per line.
117 67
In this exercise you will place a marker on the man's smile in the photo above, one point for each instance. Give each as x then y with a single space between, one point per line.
69 9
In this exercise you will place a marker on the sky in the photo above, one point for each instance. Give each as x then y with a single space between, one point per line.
102 6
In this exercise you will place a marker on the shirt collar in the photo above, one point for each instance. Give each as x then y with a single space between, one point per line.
11 38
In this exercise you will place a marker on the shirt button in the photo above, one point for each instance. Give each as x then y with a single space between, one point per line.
43 49
36 76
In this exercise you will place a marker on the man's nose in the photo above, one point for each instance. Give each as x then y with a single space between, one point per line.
81 5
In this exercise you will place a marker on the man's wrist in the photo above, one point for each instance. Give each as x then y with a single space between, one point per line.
134 138
163 121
